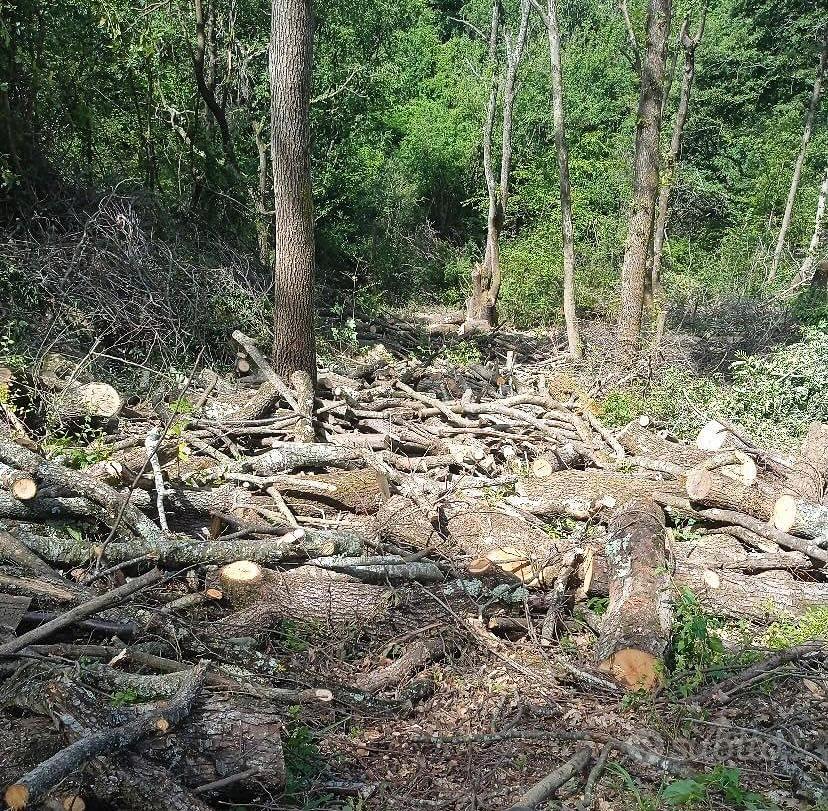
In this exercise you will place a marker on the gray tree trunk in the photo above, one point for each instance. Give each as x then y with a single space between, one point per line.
646 172
800 160
291 58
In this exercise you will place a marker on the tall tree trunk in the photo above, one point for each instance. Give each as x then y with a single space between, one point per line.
573 337
481 307
800 160
806 272
291 57
668 177
645 180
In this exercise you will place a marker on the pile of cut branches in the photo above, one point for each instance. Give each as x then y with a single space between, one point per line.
239 503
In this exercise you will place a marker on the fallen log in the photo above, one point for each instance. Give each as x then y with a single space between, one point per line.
545 788
22 486
416 656
638 621
285 457
581 494
803 518
711 488
807 479
307 593
402 522
35 784
638 440
357 491
96 401
187 551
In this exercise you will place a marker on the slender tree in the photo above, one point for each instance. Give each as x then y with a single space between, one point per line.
481 307
550 20
816 93
668 175
291 56
650 65
806 272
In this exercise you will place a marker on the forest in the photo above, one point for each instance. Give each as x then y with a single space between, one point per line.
413 405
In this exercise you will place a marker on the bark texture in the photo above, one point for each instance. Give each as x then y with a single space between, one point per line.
291 56
646 174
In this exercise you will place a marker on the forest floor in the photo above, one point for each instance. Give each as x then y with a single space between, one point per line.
453 652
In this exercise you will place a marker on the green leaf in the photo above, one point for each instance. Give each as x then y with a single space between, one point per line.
681 792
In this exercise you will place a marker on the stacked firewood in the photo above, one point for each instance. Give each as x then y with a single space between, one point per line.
268 500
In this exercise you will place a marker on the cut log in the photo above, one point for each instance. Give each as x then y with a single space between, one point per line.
241 582
22 486
308 594
637 625
711 488
799 517
357 491
638 440
807 480
582 494
416 656
713 437
85 401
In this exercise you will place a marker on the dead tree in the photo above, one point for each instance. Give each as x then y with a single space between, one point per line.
668 178
291 58
807 131
550 20
481 306
650 66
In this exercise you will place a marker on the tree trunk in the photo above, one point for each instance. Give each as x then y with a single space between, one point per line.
637 625
481 307
567 228
645 180
806 272
291 56
809 476
800 160
668 178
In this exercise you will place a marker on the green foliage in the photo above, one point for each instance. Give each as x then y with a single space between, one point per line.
124 697
721 785
693 646
303 760
598 605
812 625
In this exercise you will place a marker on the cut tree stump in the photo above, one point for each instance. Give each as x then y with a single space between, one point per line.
241 582
637 625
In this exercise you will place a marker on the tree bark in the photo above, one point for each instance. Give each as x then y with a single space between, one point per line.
481 307
808 478
637 625
668 177
807 131
291 58
806 272
646 174
567 228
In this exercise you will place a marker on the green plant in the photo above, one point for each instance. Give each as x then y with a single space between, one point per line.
722 784
124 697
463 353
693 646
598 605
813 624
303 760
643 802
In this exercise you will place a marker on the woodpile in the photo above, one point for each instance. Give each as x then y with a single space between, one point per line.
265 505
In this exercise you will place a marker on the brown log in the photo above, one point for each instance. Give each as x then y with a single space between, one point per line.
807 480
581 494
525 552
416 656
711 488
800 517
637 625
358 491
308 594
39 781
85 401
638 440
